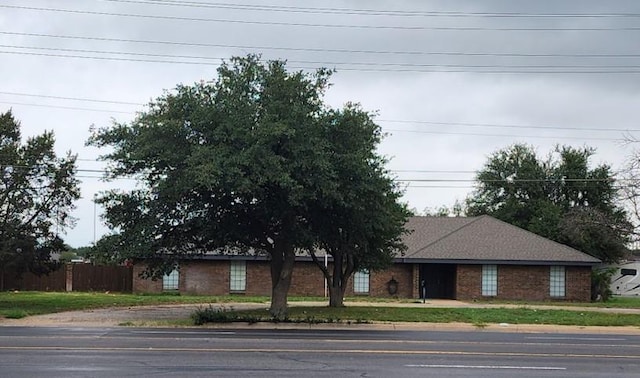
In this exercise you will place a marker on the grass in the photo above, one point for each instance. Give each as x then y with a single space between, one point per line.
613 302
21 304
477 316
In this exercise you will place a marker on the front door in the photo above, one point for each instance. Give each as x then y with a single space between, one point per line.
439 281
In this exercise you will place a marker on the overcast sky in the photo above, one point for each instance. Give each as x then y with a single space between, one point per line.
453 81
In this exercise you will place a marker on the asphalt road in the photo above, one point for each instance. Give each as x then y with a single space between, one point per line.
197 352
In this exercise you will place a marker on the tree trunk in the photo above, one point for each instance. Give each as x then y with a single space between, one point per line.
336 285
336 296
282 260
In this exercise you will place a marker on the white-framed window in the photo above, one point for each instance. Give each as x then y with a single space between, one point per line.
557 282
361 282
489 280
171 281
238 275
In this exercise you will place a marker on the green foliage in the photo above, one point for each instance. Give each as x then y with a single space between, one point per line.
601 284
477 316
561 198
360 223
81 251
213 315
457 210
15 314
37 194
233 162
67 256
245 164
222 315
232 165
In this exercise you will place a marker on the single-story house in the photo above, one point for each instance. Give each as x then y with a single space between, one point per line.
462 258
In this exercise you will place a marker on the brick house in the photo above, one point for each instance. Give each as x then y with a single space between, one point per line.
449 258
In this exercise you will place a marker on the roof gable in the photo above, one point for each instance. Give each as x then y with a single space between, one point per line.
484 238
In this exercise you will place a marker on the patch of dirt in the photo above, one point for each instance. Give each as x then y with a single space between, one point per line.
111 317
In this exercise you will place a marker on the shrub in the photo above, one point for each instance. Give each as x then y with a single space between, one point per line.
601 284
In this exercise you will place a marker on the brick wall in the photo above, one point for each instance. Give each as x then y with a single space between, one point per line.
402 273
212 278
205 277
578 283
523 282
518 282
415 282
307 279
141 285
258 278
515 282
468 282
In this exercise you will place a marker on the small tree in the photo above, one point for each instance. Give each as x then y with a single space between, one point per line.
361 222
38 191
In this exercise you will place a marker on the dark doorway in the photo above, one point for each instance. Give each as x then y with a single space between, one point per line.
439 280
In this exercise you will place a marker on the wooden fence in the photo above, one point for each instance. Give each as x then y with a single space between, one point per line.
76 277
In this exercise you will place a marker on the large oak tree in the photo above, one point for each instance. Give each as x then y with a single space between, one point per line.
241 164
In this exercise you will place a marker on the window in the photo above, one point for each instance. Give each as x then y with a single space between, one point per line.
628 272
557 281
361 282
489 280
238 276
170 281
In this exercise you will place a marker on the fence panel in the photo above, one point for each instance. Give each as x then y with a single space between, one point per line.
75 277
54 281
88 277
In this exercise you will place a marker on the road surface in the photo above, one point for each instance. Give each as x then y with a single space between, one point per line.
198 352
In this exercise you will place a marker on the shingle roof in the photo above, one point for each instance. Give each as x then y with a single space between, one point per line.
484 239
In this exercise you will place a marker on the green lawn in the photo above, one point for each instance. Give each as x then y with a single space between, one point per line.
20 304
613 302
477 316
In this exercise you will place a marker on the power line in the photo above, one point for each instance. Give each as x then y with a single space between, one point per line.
64 107
439 132
464 124
367 12
551 180
71 98
428 171
324 50
101 58
467 124
501 135
330 63
299 24
448 180
349 69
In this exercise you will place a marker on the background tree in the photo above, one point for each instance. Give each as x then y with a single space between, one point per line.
456 210
359 224
561 198
235 164
38 190
71 253
630 191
